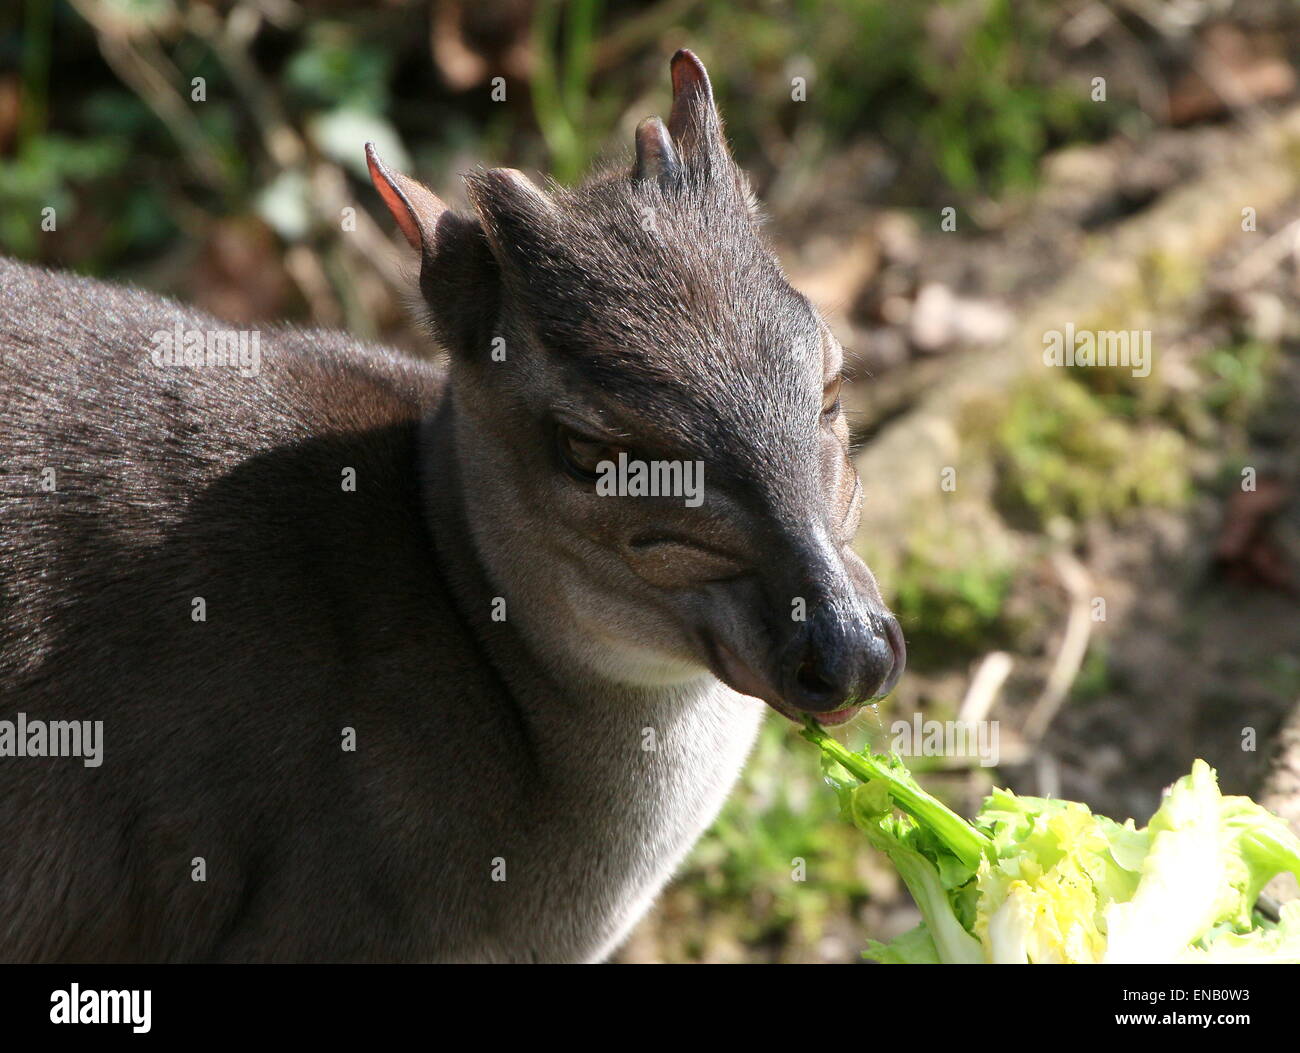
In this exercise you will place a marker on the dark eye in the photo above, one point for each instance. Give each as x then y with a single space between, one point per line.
583 455
831 397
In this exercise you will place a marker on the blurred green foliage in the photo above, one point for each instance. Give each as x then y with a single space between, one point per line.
1239 376
1062 452
961 96
332 68
952 608
968 91
569 118
42 177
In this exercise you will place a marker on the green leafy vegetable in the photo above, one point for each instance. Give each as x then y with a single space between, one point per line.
1041 881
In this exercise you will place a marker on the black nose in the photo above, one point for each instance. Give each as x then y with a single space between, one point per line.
836 661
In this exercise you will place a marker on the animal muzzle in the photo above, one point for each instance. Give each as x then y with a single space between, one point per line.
842 657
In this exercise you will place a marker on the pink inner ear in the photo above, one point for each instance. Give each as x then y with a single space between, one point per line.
394 199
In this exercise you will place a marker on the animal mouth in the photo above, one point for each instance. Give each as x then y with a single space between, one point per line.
832 719
739 677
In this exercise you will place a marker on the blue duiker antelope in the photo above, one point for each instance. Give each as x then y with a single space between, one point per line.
381 676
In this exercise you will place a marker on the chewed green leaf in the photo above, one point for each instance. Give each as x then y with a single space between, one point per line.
1267 944
1036 880
963 839
914 947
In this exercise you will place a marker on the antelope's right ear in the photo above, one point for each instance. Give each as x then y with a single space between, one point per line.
415 207
458 277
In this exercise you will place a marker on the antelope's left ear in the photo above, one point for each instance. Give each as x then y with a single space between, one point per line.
518 218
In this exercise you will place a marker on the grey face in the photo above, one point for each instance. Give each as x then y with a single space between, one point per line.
645 323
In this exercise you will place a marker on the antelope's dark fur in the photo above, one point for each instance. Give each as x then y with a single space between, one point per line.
479 742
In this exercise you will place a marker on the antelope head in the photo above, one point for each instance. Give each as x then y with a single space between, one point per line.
632 337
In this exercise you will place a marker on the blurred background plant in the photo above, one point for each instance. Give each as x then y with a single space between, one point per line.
962 96
1094 159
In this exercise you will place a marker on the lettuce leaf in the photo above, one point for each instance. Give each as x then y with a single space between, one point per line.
1037 881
